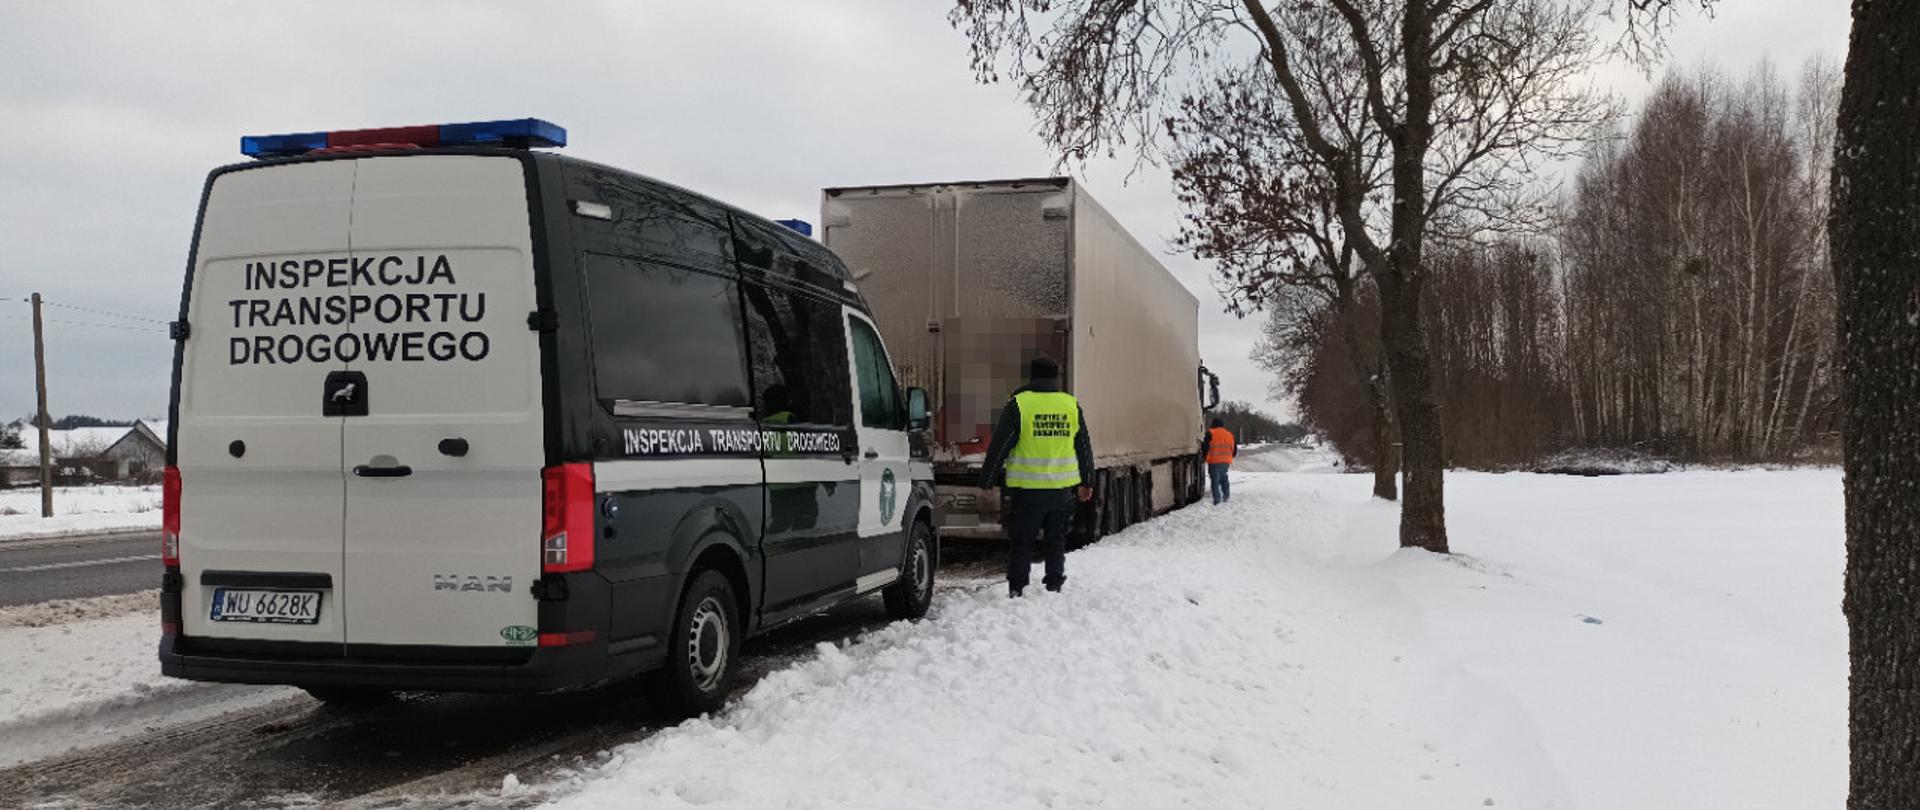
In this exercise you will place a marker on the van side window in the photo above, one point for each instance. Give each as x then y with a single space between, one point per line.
664 334
784 255
799 356
879 396
647 221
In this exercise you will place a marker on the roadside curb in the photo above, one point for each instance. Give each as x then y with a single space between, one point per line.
40 540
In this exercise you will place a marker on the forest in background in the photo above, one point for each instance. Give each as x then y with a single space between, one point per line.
1678 303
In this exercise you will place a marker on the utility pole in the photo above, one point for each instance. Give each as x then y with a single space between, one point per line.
40 383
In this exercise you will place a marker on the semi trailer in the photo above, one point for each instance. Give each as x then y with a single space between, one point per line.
969 281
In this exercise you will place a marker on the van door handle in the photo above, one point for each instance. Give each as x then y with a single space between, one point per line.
395 471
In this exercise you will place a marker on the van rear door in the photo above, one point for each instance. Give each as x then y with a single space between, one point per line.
259 462
443 484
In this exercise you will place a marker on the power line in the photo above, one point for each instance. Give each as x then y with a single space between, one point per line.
108 313
120 326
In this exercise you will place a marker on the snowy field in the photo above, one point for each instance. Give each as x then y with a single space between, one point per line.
1669 641
79 510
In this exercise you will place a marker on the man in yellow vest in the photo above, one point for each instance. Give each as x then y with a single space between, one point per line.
1041 442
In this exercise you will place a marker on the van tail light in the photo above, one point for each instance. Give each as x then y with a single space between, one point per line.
571 639
170 517
566 525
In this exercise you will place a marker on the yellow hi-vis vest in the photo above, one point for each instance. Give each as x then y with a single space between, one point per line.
1044 457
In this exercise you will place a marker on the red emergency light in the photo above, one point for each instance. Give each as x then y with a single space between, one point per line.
518 132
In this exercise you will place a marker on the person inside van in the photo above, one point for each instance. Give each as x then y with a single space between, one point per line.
790 505
777 405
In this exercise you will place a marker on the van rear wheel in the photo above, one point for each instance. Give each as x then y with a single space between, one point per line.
910 595
704 652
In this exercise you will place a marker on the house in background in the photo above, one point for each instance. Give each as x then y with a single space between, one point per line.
141 454
86 455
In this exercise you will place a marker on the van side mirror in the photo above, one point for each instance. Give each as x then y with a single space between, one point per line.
918 417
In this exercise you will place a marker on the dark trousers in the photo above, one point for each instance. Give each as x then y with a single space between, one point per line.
1217 476
1030 515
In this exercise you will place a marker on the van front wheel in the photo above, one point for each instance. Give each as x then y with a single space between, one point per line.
705 649
910 595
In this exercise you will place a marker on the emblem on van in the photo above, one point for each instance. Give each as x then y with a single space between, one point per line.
519 634
887 496
469 582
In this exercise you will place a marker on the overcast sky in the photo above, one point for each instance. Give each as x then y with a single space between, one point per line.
112 114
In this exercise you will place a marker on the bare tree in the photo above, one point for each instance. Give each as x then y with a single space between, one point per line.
1696 288
1876 267
1464 93
1261 206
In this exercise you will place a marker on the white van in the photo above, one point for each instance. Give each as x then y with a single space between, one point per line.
449 413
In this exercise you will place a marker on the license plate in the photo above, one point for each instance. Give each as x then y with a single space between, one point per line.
265 607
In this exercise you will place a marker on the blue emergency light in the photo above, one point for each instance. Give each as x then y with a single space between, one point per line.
804 227
519 132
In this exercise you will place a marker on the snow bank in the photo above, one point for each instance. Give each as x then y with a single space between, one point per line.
84 672
1600 643
62 611
74 668
79 510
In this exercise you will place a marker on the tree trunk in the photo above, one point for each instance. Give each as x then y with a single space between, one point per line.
1386 440
1403 334
1876 267
1403 337
1372 373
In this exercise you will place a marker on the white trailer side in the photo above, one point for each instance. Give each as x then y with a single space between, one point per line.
969 281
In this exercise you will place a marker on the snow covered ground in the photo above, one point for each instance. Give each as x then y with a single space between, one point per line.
1287 458
1667 641
79 510
82 672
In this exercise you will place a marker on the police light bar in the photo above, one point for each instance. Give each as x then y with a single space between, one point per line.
804 227
519 132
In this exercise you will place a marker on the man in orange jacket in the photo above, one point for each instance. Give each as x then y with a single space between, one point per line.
1219 449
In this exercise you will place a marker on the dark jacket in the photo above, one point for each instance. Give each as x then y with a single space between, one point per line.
1006 434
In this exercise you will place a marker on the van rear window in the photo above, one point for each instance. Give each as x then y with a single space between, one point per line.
665 334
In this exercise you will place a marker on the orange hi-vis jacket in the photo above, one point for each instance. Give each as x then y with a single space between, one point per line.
1219 446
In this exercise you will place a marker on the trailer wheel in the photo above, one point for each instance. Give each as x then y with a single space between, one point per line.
1109 506
1194 490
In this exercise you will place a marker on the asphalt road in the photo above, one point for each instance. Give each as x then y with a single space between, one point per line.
77 567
